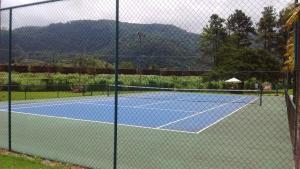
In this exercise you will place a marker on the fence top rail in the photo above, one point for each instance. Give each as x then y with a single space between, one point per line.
29 4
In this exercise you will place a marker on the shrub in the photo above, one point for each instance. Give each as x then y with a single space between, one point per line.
250 84
15 86
153 83
135 83
213 85
167 85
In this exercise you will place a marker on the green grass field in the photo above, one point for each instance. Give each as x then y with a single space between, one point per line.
8 161
254 137
18 95
23 79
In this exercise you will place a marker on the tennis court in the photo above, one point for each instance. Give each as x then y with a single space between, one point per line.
177 111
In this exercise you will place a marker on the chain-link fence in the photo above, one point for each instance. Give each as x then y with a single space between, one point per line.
151 84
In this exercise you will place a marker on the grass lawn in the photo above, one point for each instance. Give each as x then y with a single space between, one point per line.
13 161
45 95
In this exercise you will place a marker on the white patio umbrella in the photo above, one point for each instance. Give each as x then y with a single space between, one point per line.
233 80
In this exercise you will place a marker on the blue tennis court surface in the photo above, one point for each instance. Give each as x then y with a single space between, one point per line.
183 112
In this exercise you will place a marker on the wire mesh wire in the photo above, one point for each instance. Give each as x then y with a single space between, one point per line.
41 101
3 81
63 108
224 139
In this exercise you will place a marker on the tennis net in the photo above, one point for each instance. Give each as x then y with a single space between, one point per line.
189 95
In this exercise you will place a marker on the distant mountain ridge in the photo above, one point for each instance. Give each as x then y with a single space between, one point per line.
98 37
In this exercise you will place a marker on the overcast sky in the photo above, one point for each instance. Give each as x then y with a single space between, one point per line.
191 15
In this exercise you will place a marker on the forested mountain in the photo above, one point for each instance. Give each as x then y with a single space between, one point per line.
97 38
223 41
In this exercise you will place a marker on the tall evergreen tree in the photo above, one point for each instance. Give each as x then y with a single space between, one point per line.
267 27
239 26
214 34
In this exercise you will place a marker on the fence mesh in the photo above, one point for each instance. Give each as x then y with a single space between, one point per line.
41 101
4 81
202 84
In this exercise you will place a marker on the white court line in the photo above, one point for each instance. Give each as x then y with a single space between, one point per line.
102 122
176 121
169 130
64 100
70 101
140 107
226 116
134 107
110 99
158 102
59 104
89 103
67 102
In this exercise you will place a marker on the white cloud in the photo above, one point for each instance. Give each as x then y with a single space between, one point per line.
190 15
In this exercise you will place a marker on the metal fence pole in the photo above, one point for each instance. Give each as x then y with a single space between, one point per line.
159 78
83 90
57 90
92 88
107 90
29 4
116 86
25 92
198 80
297 92
260 95
9 78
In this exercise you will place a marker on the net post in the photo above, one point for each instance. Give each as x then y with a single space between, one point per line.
260 95
276 88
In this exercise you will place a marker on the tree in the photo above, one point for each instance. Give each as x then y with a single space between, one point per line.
153 67
18 55
127 65
282 33
245 63
212 37
239 26
289 61
266 27
290 48
80 61
89 61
